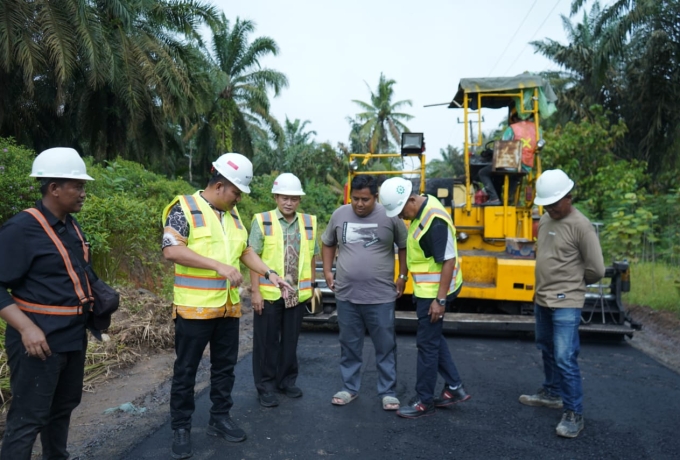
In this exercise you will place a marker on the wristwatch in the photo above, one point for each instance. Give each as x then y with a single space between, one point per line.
441 302
403 277
269 272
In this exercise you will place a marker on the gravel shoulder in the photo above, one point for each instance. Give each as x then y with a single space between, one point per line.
147 385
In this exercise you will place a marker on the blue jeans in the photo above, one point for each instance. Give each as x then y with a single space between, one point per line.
433 354
557 338
353 320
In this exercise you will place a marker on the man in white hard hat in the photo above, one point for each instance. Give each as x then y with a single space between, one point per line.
568 257
205 238
364 286
286 241
432 259
44 256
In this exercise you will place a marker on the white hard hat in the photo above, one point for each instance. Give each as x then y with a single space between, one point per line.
394 193
552 186
236 168
287 184
59 163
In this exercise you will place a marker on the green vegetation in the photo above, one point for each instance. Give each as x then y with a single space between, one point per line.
656 285
20 190
451 164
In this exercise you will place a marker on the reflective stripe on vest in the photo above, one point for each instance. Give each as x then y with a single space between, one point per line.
200 282
305 284
77 285
434 278
425 220
267 223
196 213
237 221
309 229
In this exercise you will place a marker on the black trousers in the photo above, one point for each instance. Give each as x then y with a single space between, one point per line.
191 338
44 393
275 340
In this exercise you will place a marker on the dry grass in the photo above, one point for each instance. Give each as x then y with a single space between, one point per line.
142 325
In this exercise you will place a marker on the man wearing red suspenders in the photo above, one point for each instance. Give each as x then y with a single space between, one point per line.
43 253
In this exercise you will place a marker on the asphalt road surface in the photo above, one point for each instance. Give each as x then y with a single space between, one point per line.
632 409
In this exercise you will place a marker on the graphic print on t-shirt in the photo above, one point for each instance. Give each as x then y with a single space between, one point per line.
353 233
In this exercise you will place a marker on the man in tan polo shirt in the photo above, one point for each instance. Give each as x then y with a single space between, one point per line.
568 257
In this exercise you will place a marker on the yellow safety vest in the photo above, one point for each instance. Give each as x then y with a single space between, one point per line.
273 253
224 242
425 271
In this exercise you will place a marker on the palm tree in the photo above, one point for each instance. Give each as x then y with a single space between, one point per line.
109 77
241 107
642 34
585 80
380 120
451 163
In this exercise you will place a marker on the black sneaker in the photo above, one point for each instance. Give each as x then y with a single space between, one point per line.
291 391
542 399
268 399
226 428
416 409
451 395
570 425
181 443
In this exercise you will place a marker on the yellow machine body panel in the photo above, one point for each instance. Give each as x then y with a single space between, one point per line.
492 278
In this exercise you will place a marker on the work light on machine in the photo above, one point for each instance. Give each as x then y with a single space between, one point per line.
412 143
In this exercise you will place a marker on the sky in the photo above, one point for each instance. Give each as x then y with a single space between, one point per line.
331 50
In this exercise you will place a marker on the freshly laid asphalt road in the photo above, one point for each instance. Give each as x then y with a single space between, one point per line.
632 409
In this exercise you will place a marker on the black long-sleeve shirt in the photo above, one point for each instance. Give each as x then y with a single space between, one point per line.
31 266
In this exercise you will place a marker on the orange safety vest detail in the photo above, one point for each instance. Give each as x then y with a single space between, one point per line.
77 285
526 132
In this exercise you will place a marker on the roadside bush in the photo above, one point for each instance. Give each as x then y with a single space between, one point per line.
19 190
122 220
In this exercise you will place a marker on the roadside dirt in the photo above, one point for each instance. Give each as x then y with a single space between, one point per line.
659 337
95 435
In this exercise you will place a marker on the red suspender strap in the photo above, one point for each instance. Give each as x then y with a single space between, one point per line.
64 255
86 249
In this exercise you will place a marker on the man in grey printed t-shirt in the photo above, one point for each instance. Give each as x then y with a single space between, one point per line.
365 291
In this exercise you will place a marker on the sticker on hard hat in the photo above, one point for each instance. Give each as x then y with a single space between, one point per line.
401 190
233 165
